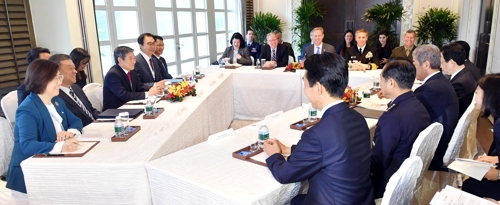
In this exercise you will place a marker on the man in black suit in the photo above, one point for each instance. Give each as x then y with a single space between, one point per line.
158 52
462 80
437 95
121 83
396 132
334 154
318 46
253 47
280 41
72 94
33 54
275 54
468 64
362 56
148 68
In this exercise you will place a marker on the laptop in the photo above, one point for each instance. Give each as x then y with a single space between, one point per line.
112 113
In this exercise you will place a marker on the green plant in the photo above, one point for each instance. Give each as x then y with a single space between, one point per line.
304 16
263 24
437 26
384 16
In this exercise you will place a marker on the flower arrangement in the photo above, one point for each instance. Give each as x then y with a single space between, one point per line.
348 94
178 91
292 67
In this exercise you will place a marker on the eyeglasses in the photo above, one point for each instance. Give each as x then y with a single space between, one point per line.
150 44
59 78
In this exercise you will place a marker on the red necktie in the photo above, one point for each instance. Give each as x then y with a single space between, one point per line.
151 63
129 77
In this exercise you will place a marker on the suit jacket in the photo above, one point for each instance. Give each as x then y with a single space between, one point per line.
464 84
334 155
81 81
254 50
75 109
290 50
142 69
303 53
469 66
34 133
361 57
281 54
163 65
439 99
21 94
400 52
245 56
117 89
394 137
311 49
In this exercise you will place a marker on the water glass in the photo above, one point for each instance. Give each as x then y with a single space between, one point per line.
376 82
125 118
262 62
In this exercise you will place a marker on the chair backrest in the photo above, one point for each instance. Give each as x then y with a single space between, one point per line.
6 145
94 94
9 106
253 60
399 189
290 59
457 139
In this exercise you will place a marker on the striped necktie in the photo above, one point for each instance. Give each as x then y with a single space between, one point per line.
79 103
273 58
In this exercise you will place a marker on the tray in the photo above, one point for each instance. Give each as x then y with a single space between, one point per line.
264 68
229 66
159 110
248 157
200 76
294 126
115 139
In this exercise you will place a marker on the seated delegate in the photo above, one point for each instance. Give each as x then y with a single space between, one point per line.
237 52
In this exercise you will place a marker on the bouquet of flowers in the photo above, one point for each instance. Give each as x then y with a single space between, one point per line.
178 91
292 67
348 94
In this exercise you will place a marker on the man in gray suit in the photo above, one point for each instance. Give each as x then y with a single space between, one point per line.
318 47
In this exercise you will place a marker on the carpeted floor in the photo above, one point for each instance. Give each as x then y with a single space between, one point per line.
237 124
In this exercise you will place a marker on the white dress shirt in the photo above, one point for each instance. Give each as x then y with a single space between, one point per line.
455 73
146 93
57 121
320 48
147 62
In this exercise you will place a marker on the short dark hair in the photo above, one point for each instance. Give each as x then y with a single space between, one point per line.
491 98
238 35
121 52
330 70
250 30
140 39
402 71
57 58
34 53
466 48
455 52
158 38
38 74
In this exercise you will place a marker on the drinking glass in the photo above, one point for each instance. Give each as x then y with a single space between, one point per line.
376 82
152 99
125 117
262 62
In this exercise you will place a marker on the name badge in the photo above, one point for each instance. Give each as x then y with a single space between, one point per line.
217 137
254 50
274 117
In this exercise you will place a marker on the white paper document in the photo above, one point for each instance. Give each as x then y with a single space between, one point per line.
454 196
472 168
82 148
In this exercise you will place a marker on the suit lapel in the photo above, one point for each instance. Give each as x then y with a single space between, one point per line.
124 77
46 119
145 65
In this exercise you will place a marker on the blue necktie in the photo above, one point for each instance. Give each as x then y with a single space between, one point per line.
317 50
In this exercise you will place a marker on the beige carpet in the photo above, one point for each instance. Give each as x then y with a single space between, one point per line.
237 124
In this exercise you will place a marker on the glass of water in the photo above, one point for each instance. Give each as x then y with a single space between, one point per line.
376 82
125 118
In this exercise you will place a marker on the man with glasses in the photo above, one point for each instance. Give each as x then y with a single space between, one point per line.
275 54
148 68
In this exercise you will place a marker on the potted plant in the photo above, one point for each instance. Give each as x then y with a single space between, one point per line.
263 24
437 26
304 16
384 16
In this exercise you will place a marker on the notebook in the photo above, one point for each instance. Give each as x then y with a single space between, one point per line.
112 113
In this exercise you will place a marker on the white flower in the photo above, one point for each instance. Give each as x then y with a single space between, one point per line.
369 55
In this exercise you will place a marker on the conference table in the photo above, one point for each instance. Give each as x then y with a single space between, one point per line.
117 172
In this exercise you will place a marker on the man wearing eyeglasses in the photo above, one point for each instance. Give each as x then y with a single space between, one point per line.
148 68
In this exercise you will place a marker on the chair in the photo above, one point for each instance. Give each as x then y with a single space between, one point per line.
401 185
9 106
290 59
424 147
470 145
6 145
94 94
253 60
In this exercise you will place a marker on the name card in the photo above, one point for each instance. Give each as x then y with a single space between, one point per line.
221 136
274 117
221 75
213 82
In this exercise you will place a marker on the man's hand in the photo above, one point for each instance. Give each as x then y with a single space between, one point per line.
380 94
155 90
271 146
488 159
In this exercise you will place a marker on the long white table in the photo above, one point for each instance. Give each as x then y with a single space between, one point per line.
114 172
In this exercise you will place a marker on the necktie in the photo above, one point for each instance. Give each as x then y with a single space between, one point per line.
129 79
360 51
273 58
317 50
73 95
151 63
407 52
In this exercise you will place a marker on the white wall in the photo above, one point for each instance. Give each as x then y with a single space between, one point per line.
420 6
493 65
281 8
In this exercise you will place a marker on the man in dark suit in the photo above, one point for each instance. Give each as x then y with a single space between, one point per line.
121 83
317 46
468 64
275 54
33 54
463 81
148 68
366 56
72 94
280 41
253 47
407 49
437 95
158 52
334 154
396 132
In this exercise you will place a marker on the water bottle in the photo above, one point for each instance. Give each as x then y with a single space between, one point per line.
313 113
197 71
258 63
119 129
263 135
149 107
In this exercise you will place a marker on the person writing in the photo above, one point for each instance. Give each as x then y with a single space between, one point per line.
43 122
